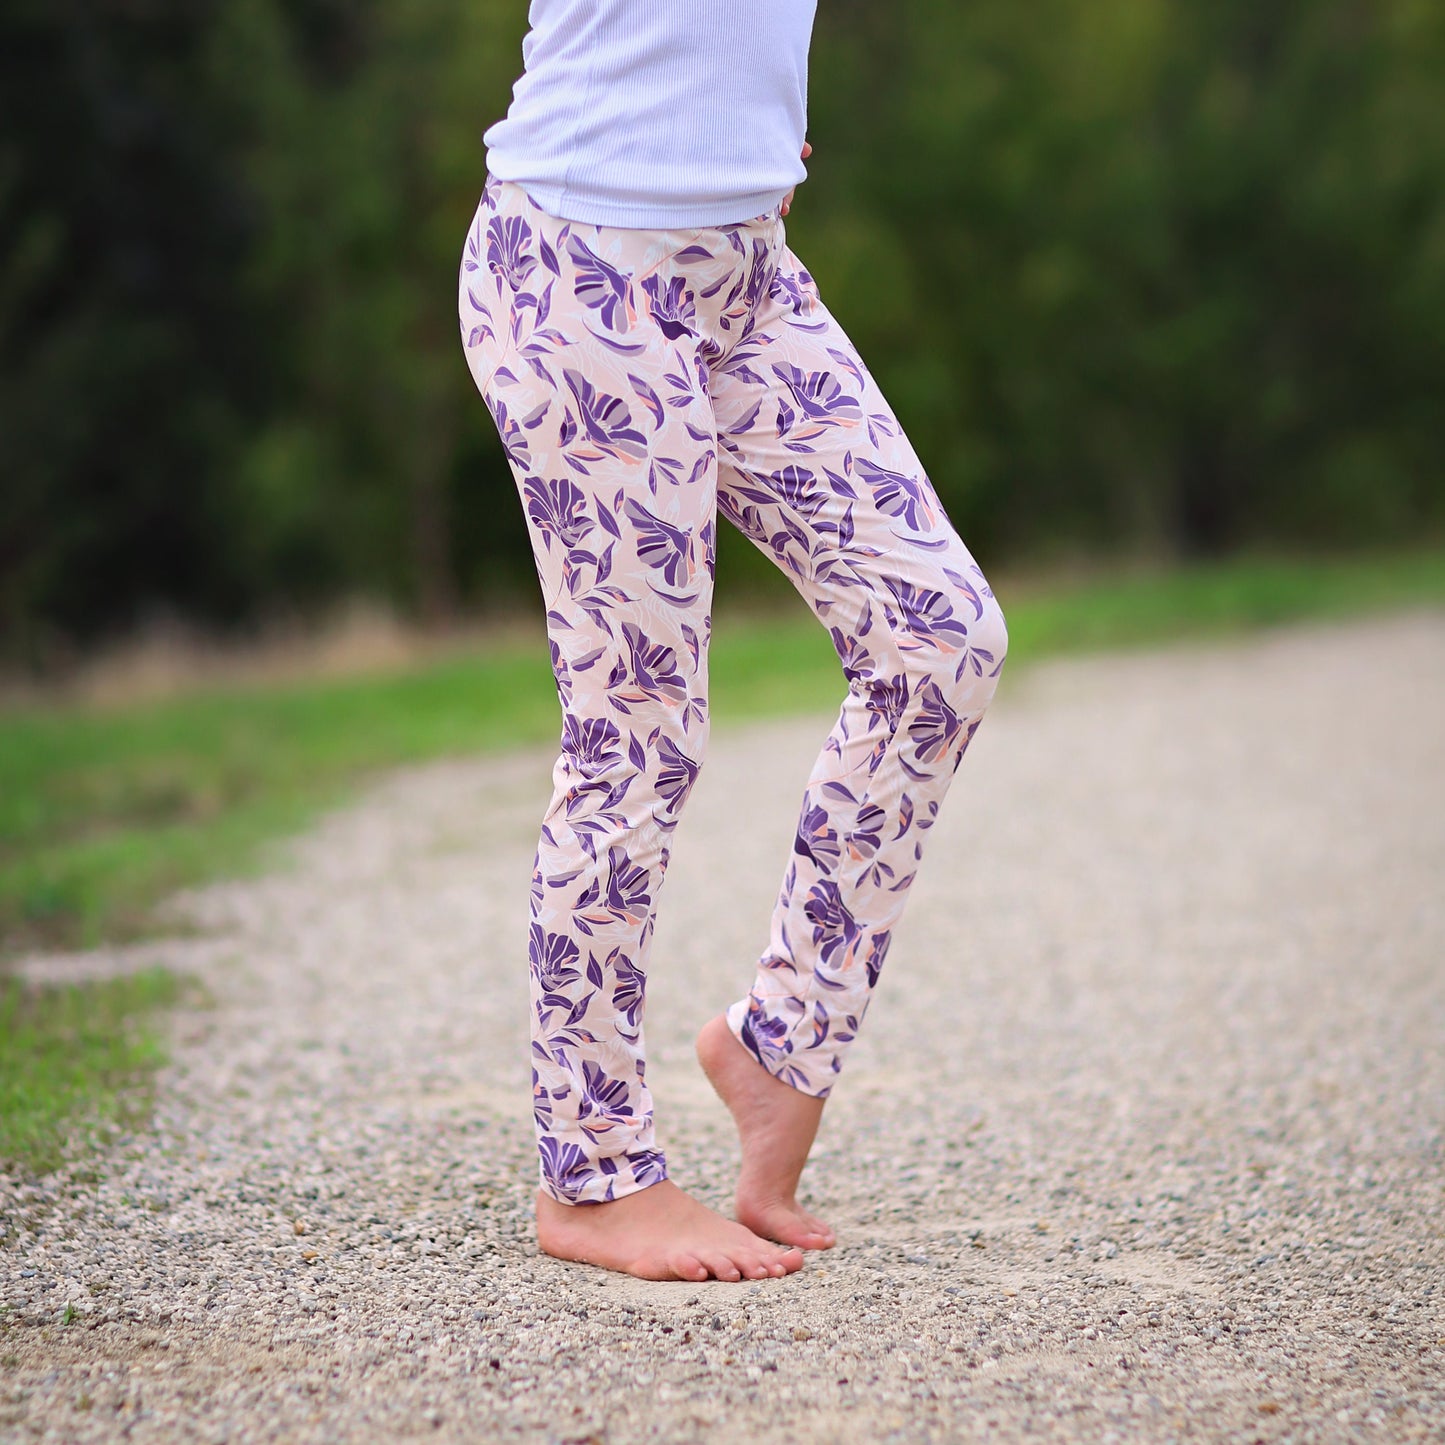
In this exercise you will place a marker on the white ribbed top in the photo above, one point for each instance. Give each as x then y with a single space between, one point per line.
658 113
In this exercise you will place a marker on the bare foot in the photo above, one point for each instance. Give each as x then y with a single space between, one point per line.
776 1123
659 1233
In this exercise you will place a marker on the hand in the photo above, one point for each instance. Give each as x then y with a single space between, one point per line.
788 199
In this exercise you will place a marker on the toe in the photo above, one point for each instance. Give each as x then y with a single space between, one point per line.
720 1266
754 1267
688 1266
819 1230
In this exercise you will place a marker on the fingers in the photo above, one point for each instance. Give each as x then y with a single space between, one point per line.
788 199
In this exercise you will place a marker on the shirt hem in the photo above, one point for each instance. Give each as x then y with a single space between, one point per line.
651 216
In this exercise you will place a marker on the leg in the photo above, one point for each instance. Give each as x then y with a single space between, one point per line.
622 532
816 471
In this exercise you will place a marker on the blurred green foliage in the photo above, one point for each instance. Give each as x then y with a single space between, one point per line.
1162 276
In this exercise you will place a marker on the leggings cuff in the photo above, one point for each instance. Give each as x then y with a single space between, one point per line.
768 1039
587 1180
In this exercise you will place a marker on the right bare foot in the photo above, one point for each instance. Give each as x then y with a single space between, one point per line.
659 1233
776 1124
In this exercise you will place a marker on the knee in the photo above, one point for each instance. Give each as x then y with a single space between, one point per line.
616 763
962 670
988 636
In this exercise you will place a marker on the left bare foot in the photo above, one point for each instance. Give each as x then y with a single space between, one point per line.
776 1123
659 1233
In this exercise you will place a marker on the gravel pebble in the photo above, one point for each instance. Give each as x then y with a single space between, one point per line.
1142 1141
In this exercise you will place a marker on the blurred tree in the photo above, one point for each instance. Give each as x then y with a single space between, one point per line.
368 155
126 366
1149 274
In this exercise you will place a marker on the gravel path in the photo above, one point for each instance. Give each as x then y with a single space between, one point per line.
1143 1140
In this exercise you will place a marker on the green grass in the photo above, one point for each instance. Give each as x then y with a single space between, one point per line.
73 1059
102 812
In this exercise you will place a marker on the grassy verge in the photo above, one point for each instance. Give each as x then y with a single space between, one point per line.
73 1057
102 812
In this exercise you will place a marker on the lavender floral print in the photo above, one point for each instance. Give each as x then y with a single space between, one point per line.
641 382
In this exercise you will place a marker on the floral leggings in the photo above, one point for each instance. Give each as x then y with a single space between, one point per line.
642 381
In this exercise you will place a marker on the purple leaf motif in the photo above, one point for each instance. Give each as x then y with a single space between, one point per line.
557 509
508 256
661 545
818 396
552 956
566 1167
602 287
605 419
835 930
898 495
671 305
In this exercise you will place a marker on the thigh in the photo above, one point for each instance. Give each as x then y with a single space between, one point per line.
609 433
817 472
